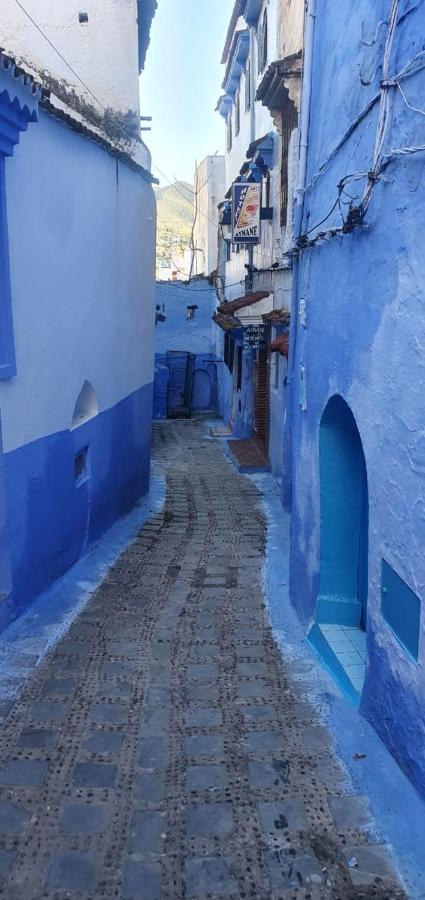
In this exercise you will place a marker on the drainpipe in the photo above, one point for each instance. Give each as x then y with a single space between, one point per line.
309 27
251 132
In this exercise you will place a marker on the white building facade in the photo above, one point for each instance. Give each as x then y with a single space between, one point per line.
209 190
77 285
260 106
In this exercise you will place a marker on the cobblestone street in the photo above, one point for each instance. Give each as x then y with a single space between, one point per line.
158 752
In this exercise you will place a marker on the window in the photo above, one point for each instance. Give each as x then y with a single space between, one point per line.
190 311
229 351
240 362
262 41
275 363
229 132
226 349
248 87
231 354
237 113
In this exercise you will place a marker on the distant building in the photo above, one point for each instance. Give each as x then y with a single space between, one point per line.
77 236
209 190
186 378
175 268
260 106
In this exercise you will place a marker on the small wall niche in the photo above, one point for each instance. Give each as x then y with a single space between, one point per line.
83 18
86 406
81 465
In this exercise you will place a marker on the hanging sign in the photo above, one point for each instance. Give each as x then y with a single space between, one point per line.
246 209
254 337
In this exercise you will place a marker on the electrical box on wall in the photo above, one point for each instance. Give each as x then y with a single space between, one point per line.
401 609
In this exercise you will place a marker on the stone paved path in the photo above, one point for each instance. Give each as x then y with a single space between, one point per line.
158 752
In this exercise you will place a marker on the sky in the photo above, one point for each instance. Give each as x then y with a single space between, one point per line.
182 83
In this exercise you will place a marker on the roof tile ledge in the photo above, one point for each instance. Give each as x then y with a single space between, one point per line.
232 306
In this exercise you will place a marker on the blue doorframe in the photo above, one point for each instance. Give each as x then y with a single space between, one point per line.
343 519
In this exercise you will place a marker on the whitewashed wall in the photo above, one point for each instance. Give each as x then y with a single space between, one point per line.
104 52
82 237
209 181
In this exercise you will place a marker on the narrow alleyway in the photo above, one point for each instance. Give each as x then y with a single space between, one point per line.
158 752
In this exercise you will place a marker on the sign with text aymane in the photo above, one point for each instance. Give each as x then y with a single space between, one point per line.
246 207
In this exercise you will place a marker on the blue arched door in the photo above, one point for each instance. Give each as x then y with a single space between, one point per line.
343 519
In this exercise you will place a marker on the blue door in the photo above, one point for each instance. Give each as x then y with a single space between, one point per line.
343 519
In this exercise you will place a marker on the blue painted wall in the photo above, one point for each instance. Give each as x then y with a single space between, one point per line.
195 336
63 517
364 340
81 279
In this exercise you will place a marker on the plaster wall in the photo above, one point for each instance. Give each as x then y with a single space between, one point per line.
103 51
290 26
262 120
81 239
178 332
364 339
195 336
209 182
81 265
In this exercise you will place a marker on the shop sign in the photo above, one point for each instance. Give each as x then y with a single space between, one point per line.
254 337
246 213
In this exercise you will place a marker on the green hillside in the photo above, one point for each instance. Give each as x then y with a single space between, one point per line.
175 217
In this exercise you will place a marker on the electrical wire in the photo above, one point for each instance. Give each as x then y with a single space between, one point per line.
410 105
127 136
384 110
195 219
61 56
185 287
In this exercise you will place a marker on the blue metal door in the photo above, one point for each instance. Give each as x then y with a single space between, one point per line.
181 367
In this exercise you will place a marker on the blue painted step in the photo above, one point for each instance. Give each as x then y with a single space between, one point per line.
338 611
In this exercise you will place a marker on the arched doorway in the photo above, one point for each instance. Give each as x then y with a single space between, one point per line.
344 513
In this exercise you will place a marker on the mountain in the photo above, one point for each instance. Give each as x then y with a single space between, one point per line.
175 218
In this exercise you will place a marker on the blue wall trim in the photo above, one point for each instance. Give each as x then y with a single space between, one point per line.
7 344
52 517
